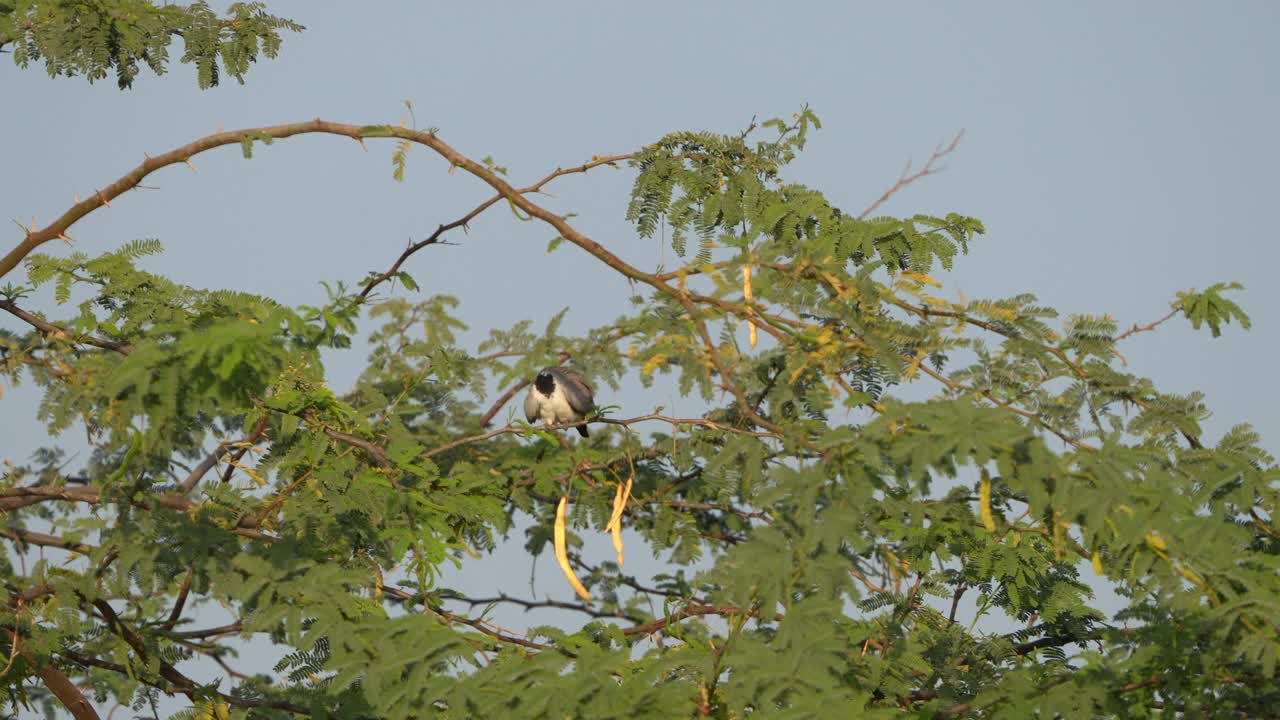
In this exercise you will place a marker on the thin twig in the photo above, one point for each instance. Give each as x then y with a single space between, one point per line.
435 237
258 431
907 177
1146 328
538 604
482 626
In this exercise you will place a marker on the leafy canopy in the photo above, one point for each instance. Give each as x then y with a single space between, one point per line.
97 37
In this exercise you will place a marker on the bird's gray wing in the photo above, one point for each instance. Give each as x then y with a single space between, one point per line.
576 390
530 406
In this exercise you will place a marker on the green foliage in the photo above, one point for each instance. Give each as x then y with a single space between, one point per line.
829 547
97 37
1211 307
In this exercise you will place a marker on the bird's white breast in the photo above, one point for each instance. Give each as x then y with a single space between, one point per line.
555 409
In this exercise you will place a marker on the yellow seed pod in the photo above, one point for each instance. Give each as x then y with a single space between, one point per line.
984 502
562 555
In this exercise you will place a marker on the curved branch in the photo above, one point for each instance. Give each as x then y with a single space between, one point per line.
183 154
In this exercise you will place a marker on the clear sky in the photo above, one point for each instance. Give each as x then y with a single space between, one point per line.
1117 152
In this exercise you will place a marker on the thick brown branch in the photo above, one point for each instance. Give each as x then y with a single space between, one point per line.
234 628
378 453
199 471
180 603
66 692
501 402
19 497
184 684
33 592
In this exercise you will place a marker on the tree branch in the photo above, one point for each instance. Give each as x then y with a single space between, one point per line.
501 402
234 628
30 537
198 473
258 431
180 603
66 692
13 498
513 429
538 604
57 331
184 684
379 455
89 661
35 238
694 610
1146 328
907 177
463 221
482 626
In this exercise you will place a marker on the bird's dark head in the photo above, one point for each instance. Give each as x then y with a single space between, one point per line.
545 383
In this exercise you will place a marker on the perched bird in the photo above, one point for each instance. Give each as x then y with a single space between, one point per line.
559 394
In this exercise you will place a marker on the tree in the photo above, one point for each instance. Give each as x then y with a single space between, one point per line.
94 37
840 526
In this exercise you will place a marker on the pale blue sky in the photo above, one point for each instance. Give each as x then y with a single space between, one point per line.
1117 152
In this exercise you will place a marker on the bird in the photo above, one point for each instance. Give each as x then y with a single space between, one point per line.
559 394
